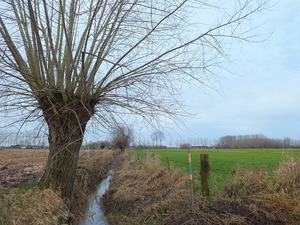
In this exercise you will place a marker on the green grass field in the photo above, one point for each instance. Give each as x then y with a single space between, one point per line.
223 161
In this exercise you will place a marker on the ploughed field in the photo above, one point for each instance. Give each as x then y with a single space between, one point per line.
18 166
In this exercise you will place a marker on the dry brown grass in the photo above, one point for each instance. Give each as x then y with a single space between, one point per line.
149 193
22 156
247 182
142 193
33 207
278 193
287 177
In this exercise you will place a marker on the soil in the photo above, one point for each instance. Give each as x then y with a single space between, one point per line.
13 176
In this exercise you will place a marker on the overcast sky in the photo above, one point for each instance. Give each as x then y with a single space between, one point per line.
263 96
260 96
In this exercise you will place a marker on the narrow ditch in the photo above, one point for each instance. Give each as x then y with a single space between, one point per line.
94 213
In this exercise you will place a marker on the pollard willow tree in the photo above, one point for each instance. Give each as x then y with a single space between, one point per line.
67 61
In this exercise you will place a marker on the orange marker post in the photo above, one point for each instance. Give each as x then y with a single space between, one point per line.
191 178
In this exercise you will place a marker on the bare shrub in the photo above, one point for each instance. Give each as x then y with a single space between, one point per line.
121 138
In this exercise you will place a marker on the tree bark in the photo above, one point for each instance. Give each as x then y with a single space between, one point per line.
66 122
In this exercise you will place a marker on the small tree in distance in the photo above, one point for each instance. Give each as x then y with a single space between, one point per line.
122 136
161 137
157 138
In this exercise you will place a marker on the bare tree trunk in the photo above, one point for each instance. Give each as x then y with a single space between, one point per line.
67 123
61 166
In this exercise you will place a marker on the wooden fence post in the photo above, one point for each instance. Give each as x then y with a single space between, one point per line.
168 161
205 167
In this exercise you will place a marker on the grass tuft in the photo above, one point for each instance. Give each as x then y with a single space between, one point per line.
287 177
278 193
35 206
247 182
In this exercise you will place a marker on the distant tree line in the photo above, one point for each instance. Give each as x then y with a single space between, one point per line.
122 138
147 146
255 141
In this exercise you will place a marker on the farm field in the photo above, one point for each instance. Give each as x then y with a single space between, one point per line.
20 165
223 161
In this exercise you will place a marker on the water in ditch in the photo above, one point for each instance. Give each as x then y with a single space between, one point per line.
94 214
